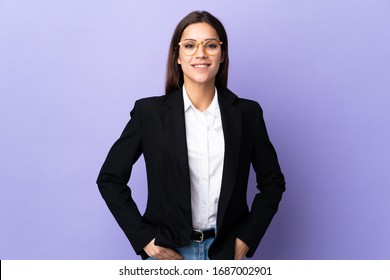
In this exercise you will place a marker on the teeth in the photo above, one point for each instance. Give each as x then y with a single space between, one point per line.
200 65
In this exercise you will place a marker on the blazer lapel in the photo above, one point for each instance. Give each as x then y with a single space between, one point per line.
231 123
174 122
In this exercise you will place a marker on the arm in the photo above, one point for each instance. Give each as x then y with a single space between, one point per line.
270 183
113 178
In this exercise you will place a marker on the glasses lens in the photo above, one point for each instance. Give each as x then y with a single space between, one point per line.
188 47
211 47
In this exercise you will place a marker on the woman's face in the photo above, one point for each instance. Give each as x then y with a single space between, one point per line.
199 68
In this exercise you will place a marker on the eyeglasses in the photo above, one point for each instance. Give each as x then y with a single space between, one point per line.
210 47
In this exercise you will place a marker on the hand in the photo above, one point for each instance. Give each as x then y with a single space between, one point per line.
161 253
240 249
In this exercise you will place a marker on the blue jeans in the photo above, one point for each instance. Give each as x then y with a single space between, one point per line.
195 250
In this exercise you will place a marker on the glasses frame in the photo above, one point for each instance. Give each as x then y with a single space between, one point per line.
197 46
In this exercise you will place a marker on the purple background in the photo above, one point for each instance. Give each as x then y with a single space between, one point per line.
70 72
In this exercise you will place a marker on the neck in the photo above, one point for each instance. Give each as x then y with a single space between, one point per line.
201 96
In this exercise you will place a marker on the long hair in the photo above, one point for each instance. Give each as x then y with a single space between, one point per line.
174 74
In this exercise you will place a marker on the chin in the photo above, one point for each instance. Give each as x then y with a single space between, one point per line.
202 80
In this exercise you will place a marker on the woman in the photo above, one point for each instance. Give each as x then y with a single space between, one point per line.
198 142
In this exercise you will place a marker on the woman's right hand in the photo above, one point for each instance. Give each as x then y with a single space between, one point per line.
161 253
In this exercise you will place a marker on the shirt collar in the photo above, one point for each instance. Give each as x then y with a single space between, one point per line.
186 99
212 109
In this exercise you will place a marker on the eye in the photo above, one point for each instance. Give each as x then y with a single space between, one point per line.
189 45
211 45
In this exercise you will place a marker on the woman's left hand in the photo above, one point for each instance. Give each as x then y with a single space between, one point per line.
240 249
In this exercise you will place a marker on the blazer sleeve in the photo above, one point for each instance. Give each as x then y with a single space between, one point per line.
270 183
113 178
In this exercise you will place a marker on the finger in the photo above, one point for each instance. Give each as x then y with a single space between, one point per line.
162 253
175 255
241 249
169 254
238 257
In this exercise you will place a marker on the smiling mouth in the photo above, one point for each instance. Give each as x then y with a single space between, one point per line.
200 65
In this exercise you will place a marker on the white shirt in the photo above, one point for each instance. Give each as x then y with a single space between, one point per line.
206 148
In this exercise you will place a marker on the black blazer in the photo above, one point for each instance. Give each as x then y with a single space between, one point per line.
157 130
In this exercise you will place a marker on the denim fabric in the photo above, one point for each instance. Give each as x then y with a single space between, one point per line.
194 251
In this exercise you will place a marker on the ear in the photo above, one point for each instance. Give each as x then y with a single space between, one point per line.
178 61
222 58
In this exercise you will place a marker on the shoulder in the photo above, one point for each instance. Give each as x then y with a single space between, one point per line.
248 104
145 105
155 102
152 101
243 104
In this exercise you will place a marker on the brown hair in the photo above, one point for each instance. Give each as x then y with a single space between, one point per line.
174 74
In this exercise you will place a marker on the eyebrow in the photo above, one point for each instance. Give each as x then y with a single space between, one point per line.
203 40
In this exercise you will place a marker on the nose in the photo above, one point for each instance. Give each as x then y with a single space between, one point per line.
200 52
